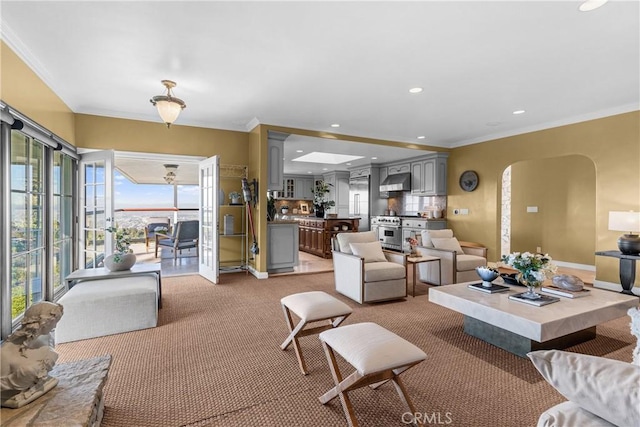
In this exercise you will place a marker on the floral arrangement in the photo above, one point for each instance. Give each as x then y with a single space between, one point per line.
123 242
412 241
533 269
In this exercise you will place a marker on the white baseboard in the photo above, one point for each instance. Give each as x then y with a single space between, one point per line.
258 274
613 286
574 265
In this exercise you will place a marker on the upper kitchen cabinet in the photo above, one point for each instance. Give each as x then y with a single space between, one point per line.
296 188
360 172
338 192
429 175
398 168
275 155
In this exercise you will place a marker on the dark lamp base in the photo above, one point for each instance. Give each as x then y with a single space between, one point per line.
629 244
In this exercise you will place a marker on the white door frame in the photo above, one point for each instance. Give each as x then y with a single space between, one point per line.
209 259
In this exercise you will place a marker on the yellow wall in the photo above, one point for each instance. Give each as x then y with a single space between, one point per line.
23 90
611 143
563 189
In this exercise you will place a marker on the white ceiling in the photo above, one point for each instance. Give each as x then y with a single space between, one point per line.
310 64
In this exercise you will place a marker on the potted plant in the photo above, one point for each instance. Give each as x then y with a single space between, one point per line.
234 196
320 202
271 207
123 257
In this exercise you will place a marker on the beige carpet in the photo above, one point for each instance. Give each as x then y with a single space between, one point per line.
214 360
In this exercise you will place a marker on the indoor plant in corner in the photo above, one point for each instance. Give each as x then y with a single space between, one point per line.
123 257
320 202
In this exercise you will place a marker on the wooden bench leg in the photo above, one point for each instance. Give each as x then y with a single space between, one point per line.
338 390
293 338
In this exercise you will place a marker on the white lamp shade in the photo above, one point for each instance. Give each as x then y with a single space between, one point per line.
624 221
169 111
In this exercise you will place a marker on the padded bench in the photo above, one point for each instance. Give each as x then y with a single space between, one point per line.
94 308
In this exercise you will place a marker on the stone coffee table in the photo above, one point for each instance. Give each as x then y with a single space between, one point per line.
520 328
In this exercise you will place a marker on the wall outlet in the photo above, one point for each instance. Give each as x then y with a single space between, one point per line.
464 211
538 249
532 209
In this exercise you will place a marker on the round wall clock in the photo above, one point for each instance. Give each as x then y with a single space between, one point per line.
469 180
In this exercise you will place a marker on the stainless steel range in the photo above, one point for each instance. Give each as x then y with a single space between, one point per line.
389 230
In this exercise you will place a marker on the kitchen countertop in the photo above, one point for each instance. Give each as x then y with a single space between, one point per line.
283 221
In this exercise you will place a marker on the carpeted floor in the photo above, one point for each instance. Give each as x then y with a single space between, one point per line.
214 360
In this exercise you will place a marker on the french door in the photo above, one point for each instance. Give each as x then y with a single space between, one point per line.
209 265
96 207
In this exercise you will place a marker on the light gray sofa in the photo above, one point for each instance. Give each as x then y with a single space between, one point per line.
601 392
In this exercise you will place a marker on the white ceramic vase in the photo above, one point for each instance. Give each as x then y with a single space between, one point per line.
126 262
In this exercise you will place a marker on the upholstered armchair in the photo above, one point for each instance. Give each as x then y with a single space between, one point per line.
185 236
366 273
458 260
158 224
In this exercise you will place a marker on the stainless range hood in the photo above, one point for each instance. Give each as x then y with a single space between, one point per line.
396 182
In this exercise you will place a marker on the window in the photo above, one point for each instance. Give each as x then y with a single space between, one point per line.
37 222
27 223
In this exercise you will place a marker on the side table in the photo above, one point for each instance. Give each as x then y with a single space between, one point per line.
414 261
627 269
105 273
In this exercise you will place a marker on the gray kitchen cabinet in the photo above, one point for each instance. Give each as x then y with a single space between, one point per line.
282 238
360 172
275 156
303 188
429 176
398 168
338 192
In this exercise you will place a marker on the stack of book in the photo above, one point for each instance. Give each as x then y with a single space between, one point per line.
542 300
554 290
488 289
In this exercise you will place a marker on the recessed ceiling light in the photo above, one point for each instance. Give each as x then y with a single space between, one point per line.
518 112
299 151
590 5
324 169
335 125
421 137
309 172
415 90
374 158
348 164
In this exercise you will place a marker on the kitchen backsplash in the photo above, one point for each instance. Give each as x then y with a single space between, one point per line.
408 205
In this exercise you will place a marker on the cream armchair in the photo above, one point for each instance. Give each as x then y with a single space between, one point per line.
458 260
364 272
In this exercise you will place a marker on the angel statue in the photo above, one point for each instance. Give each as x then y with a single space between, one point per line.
26 357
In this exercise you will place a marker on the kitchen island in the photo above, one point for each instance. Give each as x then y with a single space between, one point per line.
316 233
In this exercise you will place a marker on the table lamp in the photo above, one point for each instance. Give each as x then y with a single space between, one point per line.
629 244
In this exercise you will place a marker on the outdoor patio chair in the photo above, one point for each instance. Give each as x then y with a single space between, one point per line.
157 224
185 236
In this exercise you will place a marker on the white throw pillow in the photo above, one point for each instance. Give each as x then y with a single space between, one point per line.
427 235
450 244
371 252
607 388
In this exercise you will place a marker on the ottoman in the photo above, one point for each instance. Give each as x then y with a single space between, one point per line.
94 308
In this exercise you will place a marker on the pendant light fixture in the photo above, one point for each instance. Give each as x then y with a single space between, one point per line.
170 173
168 106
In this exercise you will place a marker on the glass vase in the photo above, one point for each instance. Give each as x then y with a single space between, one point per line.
531 290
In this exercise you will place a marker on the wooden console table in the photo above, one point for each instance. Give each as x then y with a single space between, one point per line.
627 269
